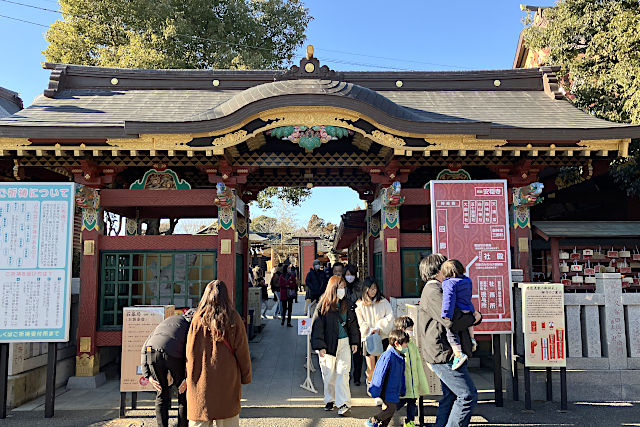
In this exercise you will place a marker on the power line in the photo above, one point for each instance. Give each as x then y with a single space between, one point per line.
24 20
340 61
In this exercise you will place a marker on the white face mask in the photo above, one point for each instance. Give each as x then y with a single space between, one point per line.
317 266
350 278
410 333
341 293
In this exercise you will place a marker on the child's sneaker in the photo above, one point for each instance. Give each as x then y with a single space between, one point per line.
474 345
378 401
409 424
459 361
372 422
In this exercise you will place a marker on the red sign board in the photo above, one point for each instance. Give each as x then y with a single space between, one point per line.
470 222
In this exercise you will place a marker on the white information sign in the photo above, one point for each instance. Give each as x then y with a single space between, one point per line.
36 234
304 326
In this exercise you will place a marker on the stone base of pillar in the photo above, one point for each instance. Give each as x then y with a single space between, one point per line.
94 381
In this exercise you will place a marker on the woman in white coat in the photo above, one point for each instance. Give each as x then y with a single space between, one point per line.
375 316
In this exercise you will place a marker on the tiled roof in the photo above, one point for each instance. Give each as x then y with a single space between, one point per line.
10 102
111 103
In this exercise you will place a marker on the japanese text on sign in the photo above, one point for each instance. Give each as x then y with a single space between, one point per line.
470 223
543 324
36 229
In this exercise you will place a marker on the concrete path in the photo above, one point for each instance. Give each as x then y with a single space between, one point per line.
275 398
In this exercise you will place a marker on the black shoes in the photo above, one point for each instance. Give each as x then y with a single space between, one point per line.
328 406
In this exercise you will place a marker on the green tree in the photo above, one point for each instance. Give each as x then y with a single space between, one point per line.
254 34
292 195
597 44
263 224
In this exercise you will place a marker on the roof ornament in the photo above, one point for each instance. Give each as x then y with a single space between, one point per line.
309 69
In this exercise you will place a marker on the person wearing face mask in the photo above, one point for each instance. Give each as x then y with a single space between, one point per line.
354 293
414 377
388 382
375 316
334 336
315 281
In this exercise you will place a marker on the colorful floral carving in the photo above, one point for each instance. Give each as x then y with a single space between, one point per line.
165 179
309 137
528 195
391 196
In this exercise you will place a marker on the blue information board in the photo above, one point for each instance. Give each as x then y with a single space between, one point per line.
36 244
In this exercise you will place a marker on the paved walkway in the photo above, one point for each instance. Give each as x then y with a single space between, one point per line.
275 398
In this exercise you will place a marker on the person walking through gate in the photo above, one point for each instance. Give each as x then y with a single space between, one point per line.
375 316
163 355
274 284
354 293
218 361
334 336
388 382
288 293
459 394
316 285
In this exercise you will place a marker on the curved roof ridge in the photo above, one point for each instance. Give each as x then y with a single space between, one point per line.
309 88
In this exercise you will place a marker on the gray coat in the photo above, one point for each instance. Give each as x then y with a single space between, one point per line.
434 346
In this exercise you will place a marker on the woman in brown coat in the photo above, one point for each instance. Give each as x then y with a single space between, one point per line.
218 361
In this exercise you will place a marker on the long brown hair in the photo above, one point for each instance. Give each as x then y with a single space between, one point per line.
329 299
214 309
370 282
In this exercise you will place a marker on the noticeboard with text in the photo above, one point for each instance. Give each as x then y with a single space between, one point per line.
36 243
138 323
470 222
543 325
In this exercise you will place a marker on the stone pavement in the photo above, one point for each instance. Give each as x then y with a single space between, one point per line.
275 398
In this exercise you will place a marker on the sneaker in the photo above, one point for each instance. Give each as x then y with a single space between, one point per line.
372 422
328 406
367 382
474 345
357 383
343 410
409 424
459 361
379 401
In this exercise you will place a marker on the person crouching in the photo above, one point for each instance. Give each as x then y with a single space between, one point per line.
334 336
388 381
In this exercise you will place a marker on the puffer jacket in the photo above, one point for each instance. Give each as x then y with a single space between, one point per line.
414 377
378 315
390 365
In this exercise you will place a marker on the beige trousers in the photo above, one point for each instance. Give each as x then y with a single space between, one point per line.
227 422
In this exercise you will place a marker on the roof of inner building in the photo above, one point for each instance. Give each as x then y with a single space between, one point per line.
520 104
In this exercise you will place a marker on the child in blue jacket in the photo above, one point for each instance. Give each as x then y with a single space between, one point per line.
388 378
457 290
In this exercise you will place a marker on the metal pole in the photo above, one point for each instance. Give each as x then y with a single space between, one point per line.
421 410
497 371
563 389
123 404
549 382
514 359
134 400
50 394
514 380
527 388
4 378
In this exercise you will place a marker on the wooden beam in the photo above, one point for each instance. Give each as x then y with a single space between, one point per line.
168 198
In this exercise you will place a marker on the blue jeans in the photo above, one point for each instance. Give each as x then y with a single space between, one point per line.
459 396
412 408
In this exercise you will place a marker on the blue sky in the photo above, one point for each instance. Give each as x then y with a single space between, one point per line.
347 35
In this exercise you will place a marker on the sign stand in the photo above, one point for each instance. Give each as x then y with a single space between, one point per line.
50 394
497 371
123 402
304 328
4 378
308 384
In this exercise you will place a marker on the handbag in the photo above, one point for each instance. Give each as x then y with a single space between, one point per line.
373 344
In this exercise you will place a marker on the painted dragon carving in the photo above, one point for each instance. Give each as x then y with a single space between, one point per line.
528 195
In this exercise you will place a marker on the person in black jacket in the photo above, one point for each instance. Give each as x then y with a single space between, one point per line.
335 336
459 394
354 293
316 282
163 355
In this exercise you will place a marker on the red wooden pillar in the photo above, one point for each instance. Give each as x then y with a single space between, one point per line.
521 239
308 253
391 262
244 250
373 232
87 358
227 219
555 260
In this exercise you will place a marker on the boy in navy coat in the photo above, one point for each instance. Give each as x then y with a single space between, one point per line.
388 378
